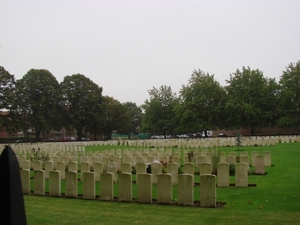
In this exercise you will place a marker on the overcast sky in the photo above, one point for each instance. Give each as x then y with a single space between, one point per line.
128 47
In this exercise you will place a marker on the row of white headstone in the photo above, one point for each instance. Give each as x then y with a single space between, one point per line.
144 180
106 192
148 156
203 142
156 168
161 143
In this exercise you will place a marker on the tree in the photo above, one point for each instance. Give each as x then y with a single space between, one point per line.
135 114
201 105
7 91
249 95
115 116
95 125
37 102
289 99
159 114
271 99
81 101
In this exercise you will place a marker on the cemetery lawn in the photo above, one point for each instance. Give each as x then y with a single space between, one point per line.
274 200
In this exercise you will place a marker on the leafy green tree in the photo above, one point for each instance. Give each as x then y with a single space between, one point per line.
159 114
238 139
81 101
7 85
249 102
95 125
135 114
289 99
201 105
7 91
37 102
115 116
271 99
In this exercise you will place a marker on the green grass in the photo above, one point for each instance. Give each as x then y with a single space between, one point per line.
274 200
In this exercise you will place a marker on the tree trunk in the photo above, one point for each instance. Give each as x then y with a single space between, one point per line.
44 136
110 134
37 134
79 133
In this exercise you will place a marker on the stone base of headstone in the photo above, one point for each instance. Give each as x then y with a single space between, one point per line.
112 168
106 186
125 187
185 189
98 169
71 184
25 179
241 175
61 167
54 183
164 189
208 191
172 169
39 182
88 189
260 164
156 169
223 175
144 188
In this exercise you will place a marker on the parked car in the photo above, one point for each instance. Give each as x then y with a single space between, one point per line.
157 137
84 139
183 136
191 135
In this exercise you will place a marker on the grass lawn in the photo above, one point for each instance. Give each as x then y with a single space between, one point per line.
274 200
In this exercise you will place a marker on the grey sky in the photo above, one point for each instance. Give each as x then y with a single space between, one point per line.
127 47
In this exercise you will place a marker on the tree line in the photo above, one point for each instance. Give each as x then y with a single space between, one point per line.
249 100
38 102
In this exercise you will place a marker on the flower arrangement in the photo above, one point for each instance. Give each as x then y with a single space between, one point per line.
111 158
164 166
191 155
38 155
